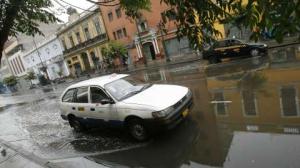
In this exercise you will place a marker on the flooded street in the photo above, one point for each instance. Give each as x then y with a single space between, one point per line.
246 114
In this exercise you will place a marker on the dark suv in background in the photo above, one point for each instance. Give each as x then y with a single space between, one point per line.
233 48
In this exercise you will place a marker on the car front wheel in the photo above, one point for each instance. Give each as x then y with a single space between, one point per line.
137 130
254 52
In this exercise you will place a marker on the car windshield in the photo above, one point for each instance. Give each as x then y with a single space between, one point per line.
125 87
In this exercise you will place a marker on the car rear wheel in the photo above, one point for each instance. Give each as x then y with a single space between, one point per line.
137 130
76 124
254 52
213 60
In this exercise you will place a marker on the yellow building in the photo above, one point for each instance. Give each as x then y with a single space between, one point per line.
82 38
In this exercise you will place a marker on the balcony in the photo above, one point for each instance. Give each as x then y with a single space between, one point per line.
99 38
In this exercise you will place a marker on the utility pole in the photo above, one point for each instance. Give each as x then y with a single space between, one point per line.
161 28
44 69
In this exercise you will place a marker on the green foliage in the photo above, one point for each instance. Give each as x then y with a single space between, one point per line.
23 16
196 18
10 81
30 76
133 7
114 49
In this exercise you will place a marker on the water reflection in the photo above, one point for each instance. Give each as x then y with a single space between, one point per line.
245 115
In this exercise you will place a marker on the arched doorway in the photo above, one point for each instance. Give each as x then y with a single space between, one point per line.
86 62
149 50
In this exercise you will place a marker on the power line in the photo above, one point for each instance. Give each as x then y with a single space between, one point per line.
65 7
75 6
104 3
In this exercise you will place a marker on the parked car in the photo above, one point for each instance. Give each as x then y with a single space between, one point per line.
121 100
233 48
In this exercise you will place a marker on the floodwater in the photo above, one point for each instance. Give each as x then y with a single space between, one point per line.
246 114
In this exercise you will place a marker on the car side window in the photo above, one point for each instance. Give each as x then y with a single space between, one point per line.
82 95
97 95
221 44
236 42
69 96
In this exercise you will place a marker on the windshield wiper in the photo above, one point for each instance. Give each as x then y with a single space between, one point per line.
145 87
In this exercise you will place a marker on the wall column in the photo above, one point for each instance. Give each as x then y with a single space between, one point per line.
140 55
90 60
155 40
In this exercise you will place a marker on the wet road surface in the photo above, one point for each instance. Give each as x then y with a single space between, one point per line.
246 114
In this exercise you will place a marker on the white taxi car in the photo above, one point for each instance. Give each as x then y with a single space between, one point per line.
119 99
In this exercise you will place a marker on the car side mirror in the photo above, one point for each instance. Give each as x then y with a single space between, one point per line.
106 101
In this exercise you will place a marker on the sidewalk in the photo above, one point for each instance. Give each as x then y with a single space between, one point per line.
13 157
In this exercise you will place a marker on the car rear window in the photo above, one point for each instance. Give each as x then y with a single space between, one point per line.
69 96
82 95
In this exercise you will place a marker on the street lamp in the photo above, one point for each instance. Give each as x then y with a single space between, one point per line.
161 29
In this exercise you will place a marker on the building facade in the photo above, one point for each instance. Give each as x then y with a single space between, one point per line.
49 55
145 34
82 38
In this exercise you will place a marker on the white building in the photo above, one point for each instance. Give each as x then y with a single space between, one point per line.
48 54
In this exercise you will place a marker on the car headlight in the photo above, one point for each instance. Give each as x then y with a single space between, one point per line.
163 113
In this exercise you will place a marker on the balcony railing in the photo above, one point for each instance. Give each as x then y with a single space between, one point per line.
99 38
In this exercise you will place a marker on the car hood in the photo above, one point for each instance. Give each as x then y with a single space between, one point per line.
159 96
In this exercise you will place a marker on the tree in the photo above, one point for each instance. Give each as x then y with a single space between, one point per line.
196 18
23 16
30 76
10 81
114 51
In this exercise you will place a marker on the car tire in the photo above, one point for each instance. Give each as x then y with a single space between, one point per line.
213 60
138 130
76 124
254 52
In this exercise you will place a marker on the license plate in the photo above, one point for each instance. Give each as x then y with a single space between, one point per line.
185 112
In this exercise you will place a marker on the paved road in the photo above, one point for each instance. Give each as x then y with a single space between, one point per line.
246 114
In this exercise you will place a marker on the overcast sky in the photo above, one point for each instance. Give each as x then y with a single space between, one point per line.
60 10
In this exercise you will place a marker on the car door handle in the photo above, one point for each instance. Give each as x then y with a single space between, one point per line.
73 108
92 109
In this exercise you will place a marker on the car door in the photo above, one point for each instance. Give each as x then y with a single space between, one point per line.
81 100
220 49
97 110
238 48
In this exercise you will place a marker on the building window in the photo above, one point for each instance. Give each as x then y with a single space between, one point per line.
220 106
110 16
97 25
64 43
170 14
124 32
47 50
71 41
118 13
115 36
143 26
249 103
54 46
289 101
78 37
87 33
119 34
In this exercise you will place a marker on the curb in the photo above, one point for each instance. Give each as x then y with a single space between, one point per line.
29 156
